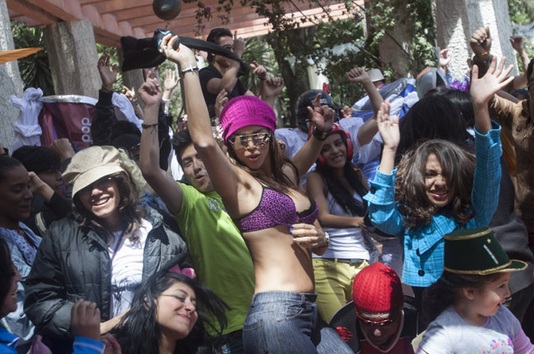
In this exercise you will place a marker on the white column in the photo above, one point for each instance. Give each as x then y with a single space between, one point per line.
73 58
456 20
10 81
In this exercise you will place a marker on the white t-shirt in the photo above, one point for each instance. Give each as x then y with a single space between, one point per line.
450 334
127 267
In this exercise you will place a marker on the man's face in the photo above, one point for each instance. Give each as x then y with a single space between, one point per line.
227 43
195 171
380 329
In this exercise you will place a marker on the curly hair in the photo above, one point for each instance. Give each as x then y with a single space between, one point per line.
278 180
444 292
458 167
139 332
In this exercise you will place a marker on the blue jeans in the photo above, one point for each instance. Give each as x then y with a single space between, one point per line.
281 322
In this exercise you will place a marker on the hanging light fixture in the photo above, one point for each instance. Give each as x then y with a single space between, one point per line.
167 9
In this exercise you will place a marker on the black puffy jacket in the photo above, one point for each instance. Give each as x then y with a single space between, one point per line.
73 263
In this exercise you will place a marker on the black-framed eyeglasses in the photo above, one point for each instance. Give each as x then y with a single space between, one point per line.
258 139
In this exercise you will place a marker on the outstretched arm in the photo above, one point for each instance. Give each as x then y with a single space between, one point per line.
389 131
322 118
370 128
222 173
162 182
228 80
483 89
105 112
517 43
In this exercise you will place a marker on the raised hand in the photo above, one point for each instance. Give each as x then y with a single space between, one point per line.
183 56
220 102
170 80
272 87
128 92
63 147
258 70
444 59
239 45
357 75
480 41
517 43
321 115
388 126
150 92
108 73
496 78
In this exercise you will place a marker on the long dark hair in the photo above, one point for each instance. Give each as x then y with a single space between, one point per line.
139 333
6 270
443 293
278 179
342 195
432 117
458 167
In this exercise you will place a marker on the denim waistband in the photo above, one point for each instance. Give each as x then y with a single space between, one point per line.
267 296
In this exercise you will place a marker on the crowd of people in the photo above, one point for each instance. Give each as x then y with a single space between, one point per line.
394 225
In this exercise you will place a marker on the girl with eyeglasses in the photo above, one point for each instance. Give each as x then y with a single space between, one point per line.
260 191
102 256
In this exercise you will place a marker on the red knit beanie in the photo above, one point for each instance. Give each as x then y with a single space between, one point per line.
244 111
377 289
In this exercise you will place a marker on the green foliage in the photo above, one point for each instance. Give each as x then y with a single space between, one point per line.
294 47
34 70
521 11
257 49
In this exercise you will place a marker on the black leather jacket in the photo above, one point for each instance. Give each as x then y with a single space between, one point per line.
73 263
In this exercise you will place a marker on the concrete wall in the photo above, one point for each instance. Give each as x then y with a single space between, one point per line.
10 82
73 58
456 20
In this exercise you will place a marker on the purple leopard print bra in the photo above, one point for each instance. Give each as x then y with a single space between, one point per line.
276 208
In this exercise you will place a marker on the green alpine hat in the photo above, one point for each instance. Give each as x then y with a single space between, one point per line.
477 251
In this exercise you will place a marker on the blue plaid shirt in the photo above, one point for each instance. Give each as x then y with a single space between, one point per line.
423 247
